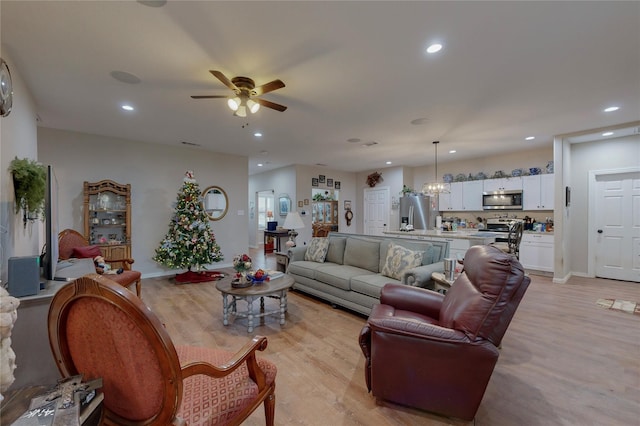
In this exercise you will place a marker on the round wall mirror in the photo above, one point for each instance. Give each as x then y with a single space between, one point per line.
215 202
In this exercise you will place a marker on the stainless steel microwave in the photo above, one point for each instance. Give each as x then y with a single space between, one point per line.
502 200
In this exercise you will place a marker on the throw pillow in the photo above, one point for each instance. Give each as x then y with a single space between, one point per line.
399 260
317 250
86 252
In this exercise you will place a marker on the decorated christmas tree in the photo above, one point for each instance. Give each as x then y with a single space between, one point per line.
190 242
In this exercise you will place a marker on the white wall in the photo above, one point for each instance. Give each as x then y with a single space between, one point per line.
18 138
586 157
155 173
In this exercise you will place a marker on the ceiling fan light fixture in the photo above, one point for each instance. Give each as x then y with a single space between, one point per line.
241 111
253 106
234 103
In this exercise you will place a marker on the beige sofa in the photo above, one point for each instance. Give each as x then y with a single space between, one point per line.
356 267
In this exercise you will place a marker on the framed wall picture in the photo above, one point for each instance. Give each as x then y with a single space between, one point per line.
329 183
300 204
321 178
337 184
314 181
306 201
347 204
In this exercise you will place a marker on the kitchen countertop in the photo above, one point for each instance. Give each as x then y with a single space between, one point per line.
474 235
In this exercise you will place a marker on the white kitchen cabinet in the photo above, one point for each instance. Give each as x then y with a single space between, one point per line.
462 196
502 184
453 199
537 192
472 195
536 251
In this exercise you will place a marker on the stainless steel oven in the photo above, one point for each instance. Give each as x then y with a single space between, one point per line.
501 225
502 200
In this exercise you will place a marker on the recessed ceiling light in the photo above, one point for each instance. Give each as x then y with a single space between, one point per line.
453 151
127 107
372 143
259 164
436 47
419 121
257 134
353 140
611 109
607 134
529 138
388 162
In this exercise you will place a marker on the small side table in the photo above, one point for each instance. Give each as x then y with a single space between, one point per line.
282 261
442 285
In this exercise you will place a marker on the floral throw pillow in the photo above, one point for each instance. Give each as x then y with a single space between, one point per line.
317 250
399 260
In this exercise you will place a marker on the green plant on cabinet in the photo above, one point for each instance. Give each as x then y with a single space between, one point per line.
29 183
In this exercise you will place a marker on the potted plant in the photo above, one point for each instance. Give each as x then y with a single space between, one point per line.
29 183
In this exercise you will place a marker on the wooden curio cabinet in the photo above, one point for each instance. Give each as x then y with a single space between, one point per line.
325 217
107 218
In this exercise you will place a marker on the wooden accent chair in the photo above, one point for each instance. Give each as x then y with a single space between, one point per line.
99 329
68 240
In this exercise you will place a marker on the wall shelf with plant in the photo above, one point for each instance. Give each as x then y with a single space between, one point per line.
29 183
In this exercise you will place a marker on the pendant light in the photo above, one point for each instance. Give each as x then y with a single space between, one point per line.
436 187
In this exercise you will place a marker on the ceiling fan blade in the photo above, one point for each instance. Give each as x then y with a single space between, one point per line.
223 78
208 96
268 87
270 104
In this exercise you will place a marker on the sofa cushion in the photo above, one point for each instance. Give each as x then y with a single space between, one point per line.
424 246
370 285
335 253
399 260
338 275
362 253
304 268
317 250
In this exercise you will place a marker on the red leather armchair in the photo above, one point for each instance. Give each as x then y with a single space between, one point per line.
437 352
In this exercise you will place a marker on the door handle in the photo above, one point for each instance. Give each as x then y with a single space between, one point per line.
599 231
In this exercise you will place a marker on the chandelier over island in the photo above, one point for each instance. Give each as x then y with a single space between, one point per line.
436 187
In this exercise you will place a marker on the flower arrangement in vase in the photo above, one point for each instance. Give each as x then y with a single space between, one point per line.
242 264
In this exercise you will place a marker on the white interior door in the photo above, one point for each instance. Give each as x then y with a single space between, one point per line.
617 217
376 210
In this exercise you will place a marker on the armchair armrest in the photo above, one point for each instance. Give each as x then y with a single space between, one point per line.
421 275
296 253
412 299
126 263
246 354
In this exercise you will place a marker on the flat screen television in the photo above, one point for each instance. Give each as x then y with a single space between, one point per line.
50 256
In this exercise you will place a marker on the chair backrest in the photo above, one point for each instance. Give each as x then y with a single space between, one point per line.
98 328
67 241
515 235
483 299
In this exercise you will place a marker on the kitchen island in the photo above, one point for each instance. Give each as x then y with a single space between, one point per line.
459 241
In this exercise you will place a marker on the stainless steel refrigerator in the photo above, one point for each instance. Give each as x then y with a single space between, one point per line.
420 211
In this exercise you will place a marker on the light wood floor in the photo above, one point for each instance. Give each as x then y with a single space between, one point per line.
564 360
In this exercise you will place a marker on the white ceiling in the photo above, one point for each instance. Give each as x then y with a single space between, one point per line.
508 70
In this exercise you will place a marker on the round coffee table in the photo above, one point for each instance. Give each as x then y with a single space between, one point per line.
276 288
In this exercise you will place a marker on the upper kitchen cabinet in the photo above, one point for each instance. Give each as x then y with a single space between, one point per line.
502 184
537 192
463 196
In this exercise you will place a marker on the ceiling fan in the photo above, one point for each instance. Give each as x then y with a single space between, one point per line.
246 94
